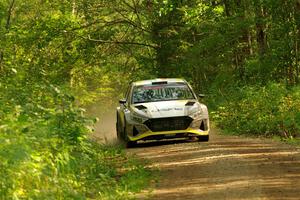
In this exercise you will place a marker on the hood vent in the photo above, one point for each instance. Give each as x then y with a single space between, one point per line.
141 107
190 103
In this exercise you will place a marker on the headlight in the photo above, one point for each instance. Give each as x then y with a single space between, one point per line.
196 114
137 118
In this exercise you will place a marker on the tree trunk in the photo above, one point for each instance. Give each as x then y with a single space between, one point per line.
74 8
227 8
297 46
260 30
7 25
244 40
9 13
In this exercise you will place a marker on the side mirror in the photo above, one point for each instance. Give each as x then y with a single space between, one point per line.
122 101
201 95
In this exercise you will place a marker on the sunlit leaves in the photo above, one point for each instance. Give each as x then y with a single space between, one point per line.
269 110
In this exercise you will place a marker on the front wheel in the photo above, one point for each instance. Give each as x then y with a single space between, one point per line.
203 138
118 128
130 144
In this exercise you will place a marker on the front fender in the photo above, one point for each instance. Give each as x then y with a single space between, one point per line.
120 119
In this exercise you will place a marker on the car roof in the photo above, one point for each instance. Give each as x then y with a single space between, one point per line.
150 82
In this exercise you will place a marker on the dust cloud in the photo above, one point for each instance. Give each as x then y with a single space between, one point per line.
104 128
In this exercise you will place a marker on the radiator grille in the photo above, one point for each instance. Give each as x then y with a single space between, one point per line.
168 124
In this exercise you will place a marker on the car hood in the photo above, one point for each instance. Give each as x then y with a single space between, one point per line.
163 109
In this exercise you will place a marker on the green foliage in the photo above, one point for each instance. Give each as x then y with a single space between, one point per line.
267 110
47 70
56 56
45 154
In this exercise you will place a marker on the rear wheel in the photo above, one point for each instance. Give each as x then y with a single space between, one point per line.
203 138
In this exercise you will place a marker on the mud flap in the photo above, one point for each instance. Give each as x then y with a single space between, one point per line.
203 138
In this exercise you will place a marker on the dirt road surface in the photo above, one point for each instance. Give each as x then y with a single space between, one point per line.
226 167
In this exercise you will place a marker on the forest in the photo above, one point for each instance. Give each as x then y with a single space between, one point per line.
59 57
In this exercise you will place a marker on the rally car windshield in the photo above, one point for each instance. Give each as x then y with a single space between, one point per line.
164 92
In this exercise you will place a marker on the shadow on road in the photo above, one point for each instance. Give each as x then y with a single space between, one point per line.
146 144
224 168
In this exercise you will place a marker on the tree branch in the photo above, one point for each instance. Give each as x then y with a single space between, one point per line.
130 22
106 23
119 42
9 13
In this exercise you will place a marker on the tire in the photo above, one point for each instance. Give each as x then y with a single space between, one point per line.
130 144
203 138
118 128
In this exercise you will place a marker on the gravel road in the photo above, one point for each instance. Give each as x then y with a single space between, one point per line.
227 167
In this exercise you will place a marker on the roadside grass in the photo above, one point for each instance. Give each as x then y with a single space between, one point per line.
277 138
89 171
133 176
290 141
261 111
128 175
270 111
51 157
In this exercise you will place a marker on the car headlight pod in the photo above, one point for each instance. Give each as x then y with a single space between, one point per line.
137 118
197 114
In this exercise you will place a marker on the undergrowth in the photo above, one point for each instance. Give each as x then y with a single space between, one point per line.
271 110
45 153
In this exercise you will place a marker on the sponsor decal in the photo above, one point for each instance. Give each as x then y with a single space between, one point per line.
167 109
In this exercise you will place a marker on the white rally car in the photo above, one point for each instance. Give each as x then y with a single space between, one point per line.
161 109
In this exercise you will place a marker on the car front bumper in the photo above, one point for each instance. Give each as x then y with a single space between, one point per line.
150 135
